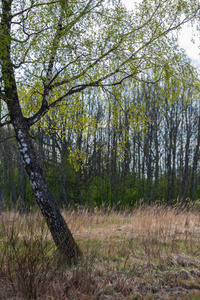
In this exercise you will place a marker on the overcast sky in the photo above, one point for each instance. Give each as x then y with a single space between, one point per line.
192 49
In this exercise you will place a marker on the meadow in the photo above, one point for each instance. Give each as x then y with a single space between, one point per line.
145 253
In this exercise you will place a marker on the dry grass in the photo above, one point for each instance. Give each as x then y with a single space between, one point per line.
149 253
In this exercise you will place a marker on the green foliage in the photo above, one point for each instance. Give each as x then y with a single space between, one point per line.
95 43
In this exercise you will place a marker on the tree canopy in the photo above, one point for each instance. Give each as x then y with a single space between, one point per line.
59 48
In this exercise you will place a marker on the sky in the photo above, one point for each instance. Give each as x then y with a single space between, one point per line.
192 48
187 33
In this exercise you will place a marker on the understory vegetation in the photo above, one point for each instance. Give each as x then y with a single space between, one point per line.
147 253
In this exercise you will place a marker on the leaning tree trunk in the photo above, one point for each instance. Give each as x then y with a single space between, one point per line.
45 200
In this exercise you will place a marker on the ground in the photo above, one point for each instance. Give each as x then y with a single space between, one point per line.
145 253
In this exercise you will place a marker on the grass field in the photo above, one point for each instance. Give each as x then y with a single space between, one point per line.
148 253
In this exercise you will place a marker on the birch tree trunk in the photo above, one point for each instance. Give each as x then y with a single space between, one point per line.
60 232
45 200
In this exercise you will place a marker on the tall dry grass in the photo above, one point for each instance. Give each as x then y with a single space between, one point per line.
147 253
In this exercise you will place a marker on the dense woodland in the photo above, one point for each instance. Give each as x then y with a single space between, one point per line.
139 141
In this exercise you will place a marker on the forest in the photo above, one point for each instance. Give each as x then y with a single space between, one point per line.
139 142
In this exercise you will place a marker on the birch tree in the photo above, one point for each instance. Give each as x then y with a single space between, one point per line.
55 49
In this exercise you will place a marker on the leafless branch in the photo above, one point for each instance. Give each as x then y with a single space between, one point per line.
8 138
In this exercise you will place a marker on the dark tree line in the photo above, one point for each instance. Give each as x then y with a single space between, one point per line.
142 143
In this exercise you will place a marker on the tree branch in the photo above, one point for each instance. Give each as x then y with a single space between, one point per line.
8 138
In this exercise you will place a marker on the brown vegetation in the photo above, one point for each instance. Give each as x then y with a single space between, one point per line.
148 253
